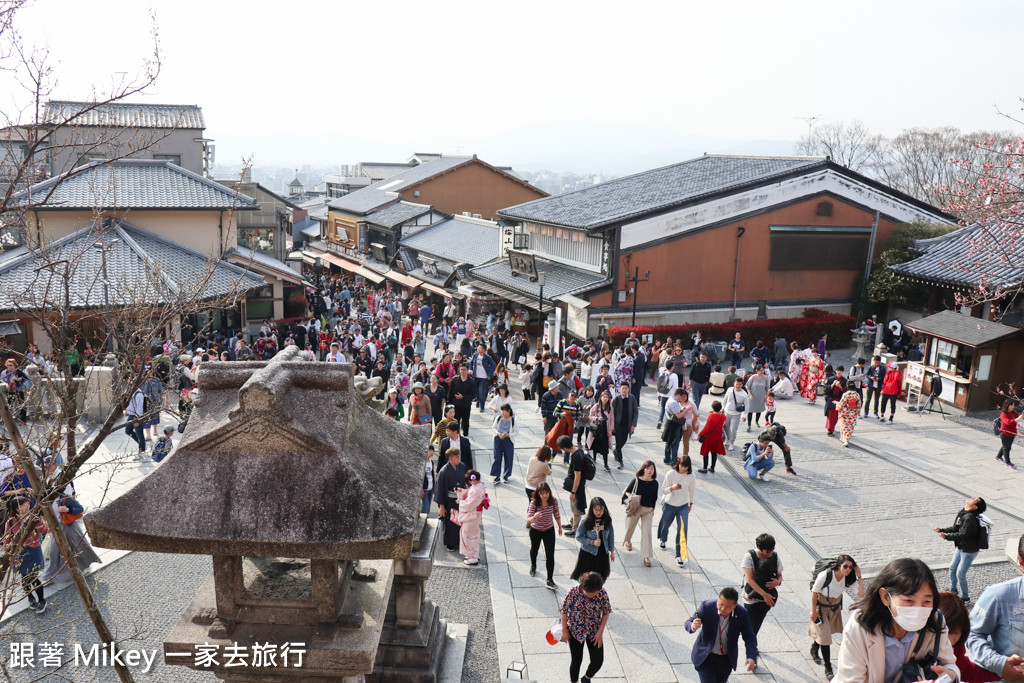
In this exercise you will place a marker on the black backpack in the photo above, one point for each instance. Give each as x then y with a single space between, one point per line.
820 566
663 382
589 470
997 426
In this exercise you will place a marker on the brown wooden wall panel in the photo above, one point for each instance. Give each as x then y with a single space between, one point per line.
474 188
698 267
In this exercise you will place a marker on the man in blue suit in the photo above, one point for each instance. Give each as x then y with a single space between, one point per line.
715 652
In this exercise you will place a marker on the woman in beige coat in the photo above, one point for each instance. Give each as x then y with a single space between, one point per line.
827 607
901 610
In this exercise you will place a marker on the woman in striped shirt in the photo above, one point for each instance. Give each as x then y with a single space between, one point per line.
543 518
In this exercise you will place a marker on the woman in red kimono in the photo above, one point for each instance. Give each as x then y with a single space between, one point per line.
811 374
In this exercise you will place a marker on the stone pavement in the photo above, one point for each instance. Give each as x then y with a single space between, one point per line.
877 500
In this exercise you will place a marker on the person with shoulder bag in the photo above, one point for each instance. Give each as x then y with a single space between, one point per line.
640 498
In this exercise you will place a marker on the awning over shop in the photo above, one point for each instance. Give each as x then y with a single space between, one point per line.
370 275
529 301
573 300
406 280
342 263
437 290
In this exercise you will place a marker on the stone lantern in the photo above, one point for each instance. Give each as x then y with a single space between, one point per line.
308 501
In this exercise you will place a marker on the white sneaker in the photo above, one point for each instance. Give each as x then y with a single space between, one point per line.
731 447
680 562
764 477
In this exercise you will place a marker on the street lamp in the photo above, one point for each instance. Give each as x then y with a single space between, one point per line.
636 287
540 310
106 289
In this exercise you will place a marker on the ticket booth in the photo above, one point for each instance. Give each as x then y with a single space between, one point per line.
976 359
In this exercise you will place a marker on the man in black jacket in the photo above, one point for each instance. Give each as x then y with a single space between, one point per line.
875 379
700 375
625 410
453 440
967 535
461 393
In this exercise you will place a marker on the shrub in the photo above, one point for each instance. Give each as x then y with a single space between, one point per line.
804 330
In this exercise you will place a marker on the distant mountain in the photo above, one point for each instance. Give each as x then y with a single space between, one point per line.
581 146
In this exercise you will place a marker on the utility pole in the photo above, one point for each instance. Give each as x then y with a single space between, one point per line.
635 279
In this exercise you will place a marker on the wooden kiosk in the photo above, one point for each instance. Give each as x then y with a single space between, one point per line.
974 357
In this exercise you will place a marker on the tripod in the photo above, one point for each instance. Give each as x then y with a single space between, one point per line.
932 399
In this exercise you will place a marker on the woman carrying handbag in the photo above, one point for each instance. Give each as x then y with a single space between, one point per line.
640 498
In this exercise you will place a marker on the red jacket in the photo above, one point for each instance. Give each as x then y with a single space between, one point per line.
971 672
893 383
712 433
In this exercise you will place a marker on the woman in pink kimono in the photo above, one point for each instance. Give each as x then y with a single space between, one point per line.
811 375
472 503
849 407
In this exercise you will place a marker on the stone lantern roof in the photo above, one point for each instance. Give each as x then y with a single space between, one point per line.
281 458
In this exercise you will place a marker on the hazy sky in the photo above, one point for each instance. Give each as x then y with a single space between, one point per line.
583 86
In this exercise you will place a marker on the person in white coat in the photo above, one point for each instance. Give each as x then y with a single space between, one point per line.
736 400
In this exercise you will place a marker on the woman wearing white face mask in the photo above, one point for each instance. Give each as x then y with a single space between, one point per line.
896 633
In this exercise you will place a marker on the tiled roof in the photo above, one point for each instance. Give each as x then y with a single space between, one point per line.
457 240
379 170
141 267
390 216
133 184
661 188
558 279
408 259
963 329
126 114
419 274
242 255
384 192
969 257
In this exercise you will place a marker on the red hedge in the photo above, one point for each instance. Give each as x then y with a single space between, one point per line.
805 330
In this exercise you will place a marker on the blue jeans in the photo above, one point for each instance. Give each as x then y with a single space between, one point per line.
762 466
481 391
680 514
958 571
428 498
661 413
697 391
672 445
503 450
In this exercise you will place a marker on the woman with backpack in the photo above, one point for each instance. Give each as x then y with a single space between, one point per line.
969 535
504 426
830 581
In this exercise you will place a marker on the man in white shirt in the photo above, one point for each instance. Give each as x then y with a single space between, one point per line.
668 380
336 353
784 387
358 340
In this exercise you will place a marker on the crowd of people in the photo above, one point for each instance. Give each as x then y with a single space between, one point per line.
435 366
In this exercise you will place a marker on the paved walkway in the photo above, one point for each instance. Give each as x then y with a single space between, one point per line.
877 500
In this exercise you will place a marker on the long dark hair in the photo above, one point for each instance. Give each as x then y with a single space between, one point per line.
840 561
591 519
900 577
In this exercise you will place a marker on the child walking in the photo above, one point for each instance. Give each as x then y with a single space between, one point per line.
769 408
